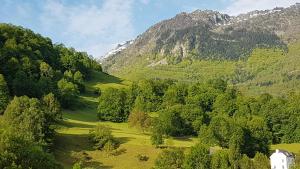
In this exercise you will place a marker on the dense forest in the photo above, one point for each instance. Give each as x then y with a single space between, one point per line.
37 78
217 113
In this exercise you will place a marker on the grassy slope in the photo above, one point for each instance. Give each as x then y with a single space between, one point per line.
267 66
72 141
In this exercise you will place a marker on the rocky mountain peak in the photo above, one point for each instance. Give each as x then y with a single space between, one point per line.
207 34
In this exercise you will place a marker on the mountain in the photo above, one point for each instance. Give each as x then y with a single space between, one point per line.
208 35
118 49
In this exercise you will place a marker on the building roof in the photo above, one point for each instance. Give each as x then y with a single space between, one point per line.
286 153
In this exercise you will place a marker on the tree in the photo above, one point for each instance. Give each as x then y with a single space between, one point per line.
261 161
52 114
18 150
139 119
245 163
112 106
175 94
46 70
78 79
171 122
198 157
226 103
220 160
27 116
4 94
157 134
101 135
170 159
68 93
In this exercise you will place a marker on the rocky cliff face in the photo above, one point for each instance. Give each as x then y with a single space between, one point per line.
210 35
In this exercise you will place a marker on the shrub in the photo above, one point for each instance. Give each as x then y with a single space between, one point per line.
103 139
142 157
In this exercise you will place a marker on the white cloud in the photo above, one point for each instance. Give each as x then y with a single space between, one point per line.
242 6
92 27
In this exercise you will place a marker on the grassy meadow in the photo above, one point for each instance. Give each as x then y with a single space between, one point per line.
266 70
73 144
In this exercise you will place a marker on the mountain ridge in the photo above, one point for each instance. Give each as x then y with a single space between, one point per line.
209 35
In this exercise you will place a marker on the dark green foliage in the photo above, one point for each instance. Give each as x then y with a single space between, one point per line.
30 63
27 116
68 92
53 115
25 130
221 160
4 95
175 95
157 134
103 139
170 159
33 117
198 157
226 102
261 161
19 152
112 105
172 123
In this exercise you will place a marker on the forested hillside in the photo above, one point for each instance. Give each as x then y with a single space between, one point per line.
37 78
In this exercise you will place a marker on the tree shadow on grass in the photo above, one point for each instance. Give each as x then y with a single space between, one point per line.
97 165
69 124
182 138
123 140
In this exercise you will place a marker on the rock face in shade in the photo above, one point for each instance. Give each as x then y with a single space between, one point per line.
209 35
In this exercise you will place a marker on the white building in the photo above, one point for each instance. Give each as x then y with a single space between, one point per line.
282 159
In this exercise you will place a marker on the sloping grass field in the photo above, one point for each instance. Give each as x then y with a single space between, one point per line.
73 145
271 71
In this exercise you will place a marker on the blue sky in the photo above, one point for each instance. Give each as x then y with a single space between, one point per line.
97 26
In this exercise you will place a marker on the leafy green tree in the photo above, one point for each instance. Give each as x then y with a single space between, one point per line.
78 79
157 134
4 94
170 159
194 117
139 119
68 93
46 70
259 137
245 163
101 135
226 103
19 151
27 116
175 94
221 160
202 95
53 114
261 161
198 157
172 123
112 106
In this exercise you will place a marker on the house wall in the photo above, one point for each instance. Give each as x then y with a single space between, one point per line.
279 161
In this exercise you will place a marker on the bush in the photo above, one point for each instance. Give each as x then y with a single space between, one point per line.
140 120
142 157
170 158
103 139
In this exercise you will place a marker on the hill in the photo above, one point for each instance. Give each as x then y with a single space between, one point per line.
207 44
